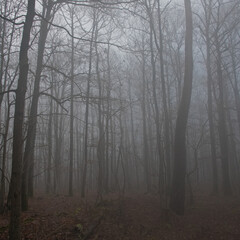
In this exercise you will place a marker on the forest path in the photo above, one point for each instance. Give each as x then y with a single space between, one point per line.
134 217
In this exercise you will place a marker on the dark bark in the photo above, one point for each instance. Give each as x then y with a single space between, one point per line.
15 185
28 160
177 200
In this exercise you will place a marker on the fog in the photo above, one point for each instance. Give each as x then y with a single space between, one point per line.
111 99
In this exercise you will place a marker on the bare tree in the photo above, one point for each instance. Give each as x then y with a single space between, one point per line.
15 185
28 160
207 7
177 200
70 190
84 178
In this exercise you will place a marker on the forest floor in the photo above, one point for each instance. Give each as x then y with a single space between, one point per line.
134 217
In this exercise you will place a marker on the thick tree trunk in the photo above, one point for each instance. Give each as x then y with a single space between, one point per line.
28 160
177 200
16 178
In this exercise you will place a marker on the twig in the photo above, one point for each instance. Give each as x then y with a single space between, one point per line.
55 99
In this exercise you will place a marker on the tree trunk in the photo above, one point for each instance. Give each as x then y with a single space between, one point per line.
49 161
210 110
165 106
177 200
144 116
83 187
28 160
3 33
15 185
70 188
101 137
223 136
4 157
